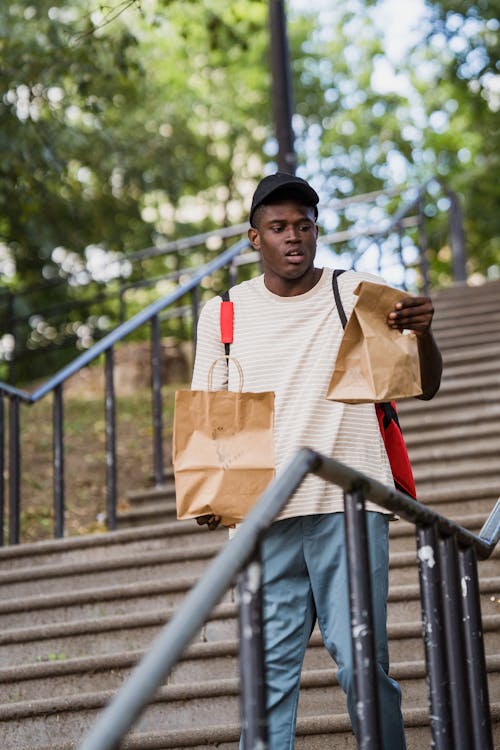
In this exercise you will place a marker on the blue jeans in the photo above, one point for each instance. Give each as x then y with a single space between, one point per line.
305 578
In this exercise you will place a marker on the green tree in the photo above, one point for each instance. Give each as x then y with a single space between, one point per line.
118 135
463 96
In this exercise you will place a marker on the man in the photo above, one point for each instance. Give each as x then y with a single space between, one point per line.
286 337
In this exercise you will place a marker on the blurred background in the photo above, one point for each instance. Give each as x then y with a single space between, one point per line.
128 125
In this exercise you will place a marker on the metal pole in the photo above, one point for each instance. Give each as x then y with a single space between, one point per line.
282 87
452 611
110 441
195 307
2 470
58 452
437 677
477 681
457 237
251 640
362 632
422 241
157 401
14 472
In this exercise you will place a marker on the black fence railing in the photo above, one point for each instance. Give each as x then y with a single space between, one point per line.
459 712
16 398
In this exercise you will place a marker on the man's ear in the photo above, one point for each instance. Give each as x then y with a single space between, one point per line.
254 237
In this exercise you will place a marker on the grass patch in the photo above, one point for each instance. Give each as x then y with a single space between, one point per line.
85 459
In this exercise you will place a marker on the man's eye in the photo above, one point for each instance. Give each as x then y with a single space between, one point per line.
305 227
276 229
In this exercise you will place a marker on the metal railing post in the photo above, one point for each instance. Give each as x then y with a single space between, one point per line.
474 651
195 307
451 596
362 631
457 237
110 410
2 470
157 407
14 472
58 461
251 654
423 242
433 632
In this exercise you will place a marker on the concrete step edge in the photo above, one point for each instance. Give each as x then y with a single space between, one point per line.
480 491
229 686
426 419
397 593
98 594
452 401
452 435
446 471
473 354
454 384
151 492
137 560
451 454
444 319
150 510
469 521
121 536
311 725
196 651
480 328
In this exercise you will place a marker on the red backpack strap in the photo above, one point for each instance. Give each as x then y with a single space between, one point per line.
395 448
388 422
226 319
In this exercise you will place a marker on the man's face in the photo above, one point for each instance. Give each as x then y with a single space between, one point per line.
286 235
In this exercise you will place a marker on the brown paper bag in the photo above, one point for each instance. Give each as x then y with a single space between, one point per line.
375 362
223 451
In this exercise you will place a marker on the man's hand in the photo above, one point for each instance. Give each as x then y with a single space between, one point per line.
211 521
414 314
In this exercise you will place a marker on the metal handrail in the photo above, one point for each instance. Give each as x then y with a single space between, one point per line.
167 648
400 221
126 328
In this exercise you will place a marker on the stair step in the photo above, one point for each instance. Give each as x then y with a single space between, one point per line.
452 452
452 438
105 545
76 614
313 733
459 402
420 419
109 632
480 338
208 702
138 497
445 319
149 513
107 672
149 566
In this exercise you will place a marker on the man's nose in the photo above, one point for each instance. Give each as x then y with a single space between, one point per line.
292 234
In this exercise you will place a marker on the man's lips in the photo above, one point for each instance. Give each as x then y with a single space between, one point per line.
294 256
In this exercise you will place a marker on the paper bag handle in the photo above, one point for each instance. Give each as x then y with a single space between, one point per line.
226 359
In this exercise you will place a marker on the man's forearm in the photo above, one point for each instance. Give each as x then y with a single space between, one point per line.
431 365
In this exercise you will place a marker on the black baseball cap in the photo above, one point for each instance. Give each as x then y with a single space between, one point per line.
280 181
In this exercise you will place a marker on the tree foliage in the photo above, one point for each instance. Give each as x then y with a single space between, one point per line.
126 125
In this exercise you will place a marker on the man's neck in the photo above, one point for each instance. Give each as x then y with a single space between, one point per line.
292 287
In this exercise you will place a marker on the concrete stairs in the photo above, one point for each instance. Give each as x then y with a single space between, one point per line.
77 614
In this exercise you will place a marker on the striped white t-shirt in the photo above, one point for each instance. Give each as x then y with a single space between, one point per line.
289 345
